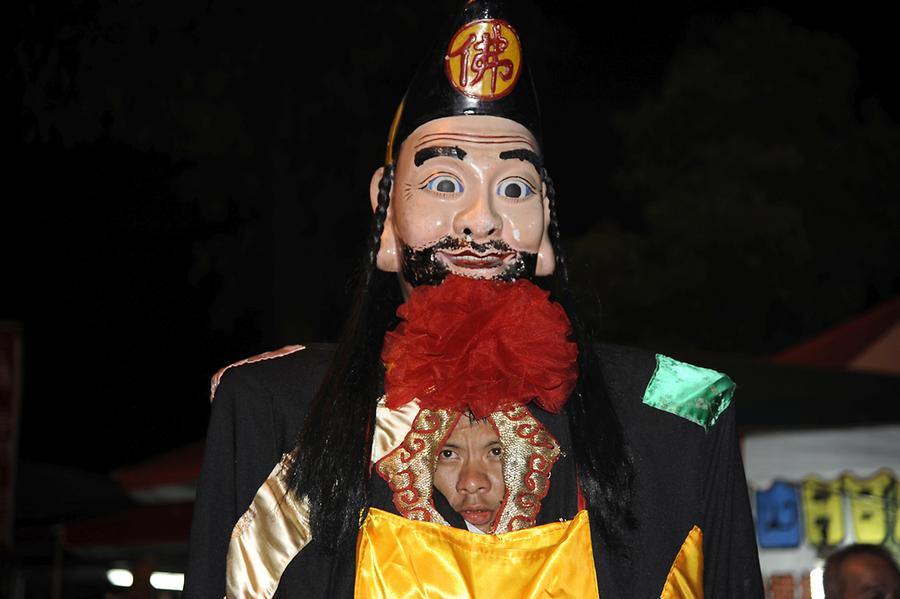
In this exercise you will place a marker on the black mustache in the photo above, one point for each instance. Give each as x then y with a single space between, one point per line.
455 243
422 266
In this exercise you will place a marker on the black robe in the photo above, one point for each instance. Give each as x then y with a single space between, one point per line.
685 476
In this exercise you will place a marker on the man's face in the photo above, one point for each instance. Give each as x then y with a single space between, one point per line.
469 472
467 199
868 577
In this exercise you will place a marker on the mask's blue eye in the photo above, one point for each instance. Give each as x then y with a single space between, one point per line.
444 184
515 189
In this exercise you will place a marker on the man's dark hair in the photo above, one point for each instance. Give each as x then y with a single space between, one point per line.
831 578
331 458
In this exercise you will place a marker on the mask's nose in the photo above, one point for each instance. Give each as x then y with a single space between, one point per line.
479 221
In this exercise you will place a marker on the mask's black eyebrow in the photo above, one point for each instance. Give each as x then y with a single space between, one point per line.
435 151
523 154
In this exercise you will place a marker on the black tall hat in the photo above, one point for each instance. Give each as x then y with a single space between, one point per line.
477 67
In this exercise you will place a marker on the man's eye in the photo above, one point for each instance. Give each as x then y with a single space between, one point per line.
446 453
444 184
515 189
496 452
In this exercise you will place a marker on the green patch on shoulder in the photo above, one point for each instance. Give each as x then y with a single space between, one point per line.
697 394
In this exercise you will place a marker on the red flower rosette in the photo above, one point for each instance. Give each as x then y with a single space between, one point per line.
480 345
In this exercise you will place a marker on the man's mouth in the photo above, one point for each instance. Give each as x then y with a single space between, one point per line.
477 517
472 260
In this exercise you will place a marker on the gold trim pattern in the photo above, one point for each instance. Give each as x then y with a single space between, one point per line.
392 133
409 469
529 452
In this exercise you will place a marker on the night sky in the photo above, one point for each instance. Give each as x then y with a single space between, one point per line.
190 186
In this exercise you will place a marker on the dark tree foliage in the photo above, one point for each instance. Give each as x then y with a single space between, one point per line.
765 192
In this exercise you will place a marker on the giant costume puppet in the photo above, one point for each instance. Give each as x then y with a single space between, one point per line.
464 439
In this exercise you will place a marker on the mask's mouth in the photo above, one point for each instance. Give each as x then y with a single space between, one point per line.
467 259
494 259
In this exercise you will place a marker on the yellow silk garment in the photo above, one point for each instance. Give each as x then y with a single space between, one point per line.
685 580
398 558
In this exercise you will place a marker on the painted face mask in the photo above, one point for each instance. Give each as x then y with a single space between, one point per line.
468 194
468 200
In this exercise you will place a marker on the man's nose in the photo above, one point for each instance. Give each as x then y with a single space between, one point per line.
479 219
473 479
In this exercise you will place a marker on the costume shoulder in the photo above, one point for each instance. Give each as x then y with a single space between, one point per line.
697 394
689 479
258 405
694 393
279 371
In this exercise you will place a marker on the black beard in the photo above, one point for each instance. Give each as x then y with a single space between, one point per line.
422 266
